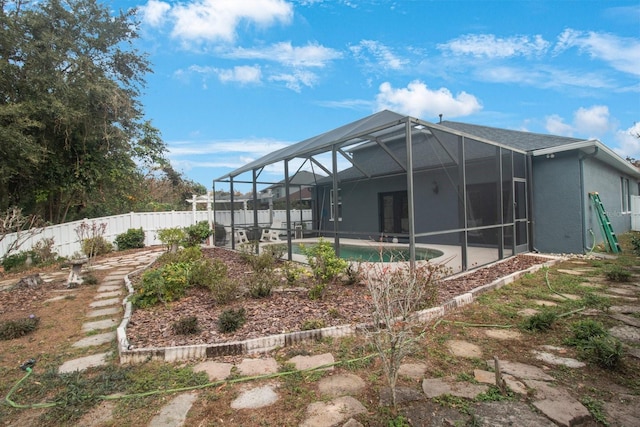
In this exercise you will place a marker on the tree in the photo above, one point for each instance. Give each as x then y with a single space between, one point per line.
71 125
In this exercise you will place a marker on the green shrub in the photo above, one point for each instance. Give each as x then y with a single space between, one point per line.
186 326
618 274
89 279
231 320
635 243
311 324
584 330
186 255
95 246
265 262
317 291
224 291
604 350
261 285
133 238
14 262
171 237
197 233
207 272
43 251
541 321
276 251
164 284
323 261
11 329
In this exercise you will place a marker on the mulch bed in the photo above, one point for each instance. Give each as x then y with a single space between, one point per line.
284 311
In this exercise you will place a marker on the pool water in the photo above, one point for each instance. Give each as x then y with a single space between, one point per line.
372 254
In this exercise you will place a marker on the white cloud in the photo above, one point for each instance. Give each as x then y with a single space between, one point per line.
240 74
622 53
215 20
296 79
383 56
154 13
556 126
629 141
419 101
311 55
252 147
593 121
490 46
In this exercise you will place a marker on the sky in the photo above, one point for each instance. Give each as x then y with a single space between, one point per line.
234 80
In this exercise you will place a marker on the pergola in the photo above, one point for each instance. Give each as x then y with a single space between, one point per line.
425 182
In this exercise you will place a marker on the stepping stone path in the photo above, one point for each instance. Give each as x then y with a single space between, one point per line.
339 392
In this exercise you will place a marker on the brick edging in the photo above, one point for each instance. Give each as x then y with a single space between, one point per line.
264 344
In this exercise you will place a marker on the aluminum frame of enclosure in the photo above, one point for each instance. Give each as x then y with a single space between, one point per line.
473 176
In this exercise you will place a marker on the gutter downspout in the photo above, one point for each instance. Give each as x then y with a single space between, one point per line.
583 206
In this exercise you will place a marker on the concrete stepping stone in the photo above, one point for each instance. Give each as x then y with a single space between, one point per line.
629 320
564 297
105 302
464 349
615 296
104 312
558 405
515 385
174 413
503 334
99 324
622 290
312 362
544 303
415 371
528 312
256 398
82 363
109 288
94 340
484 377
322 414
575 272
58 298
591 285
111 294
521 370
404 395
626 333
552 359
434 387
625 309
215 370
254 367
509 414
340 385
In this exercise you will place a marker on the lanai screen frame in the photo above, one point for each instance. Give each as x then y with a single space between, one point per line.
373 130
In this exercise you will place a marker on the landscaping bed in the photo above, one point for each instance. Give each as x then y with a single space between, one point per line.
288 309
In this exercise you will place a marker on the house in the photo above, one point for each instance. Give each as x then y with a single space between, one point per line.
490 192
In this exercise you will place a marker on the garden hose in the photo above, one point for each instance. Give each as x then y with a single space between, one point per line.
28 367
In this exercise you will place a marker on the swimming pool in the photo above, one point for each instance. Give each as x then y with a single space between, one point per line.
370 253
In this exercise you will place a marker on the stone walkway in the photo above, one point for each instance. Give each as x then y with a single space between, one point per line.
553 404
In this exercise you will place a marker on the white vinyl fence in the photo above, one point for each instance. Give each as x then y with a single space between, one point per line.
66 241
635 213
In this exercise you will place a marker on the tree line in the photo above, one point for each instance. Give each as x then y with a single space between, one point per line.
74 141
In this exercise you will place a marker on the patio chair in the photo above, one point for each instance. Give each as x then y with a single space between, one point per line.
271 234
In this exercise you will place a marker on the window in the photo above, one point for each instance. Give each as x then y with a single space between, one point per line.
331 198
625 195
